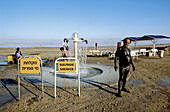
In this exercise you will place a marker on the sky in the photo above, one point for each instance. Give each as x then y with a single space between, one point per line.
91 19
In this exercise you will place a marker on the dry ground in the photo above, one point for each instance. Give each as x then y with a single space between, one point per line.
146 94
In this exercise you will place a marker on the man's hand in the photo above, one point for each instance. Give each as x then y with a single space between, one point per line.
116 68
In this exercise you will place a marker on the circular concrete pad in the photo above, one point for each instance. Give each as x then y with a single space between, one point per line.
98 75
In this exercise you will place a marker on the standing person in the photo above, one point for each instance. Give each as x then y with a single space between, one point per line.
18 54
123 53
64 53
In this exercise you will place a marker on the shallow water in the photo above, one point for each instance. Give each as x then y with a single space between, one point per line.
165 82
45 61
2 63
135 82
151 86
3 60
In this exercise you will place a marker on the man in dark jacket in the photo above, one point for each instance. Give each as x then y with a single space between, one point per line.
123 53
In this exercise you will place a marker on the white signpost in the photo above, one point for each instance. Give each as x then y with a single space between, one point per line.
68 66
30 65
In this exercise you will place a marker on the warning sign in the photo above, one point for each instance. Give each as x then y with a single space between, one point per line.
30 65
65 67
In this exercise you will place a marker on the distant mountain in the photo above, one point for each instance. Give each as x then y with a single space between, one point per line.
59 43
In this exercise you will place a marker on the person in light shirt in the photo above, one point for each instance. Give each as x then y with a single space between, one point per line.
18 54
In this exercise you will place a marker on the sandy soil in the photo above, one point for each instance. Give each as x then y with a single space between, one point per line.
147 94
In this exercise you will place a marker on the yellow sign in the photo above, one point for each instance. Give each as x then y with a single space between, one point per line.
65 67
30 65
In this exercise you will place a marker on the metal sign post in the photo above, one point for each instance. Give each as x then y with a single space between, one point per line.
67 67
29 65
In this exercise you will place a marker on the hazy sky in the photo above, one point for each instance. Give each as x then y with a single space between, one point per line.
92 19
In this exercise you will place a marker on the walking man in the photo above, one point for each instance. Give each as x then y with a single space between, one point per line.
123 53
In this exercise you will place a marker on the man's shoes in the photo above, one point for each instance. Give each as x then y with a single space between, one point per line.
125 90
119 95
